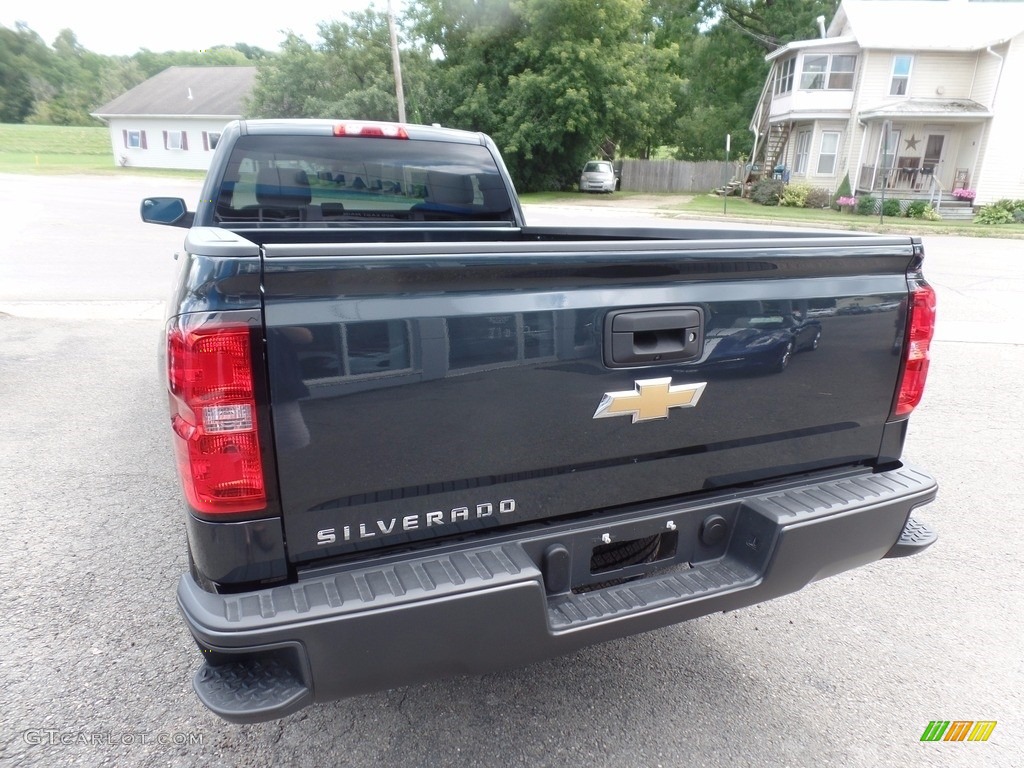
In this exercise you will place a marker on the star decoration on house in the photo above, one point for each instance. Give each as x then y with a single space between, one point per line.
912 142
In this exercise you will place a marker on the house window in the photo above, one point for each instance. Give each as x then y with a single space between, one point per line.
133 140
840 73
175 140
813 77
803 149
784 79
833 72
214 138
901 66
827 153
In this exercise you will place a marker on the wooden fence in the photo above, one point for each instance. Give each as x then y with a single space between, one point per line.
676 175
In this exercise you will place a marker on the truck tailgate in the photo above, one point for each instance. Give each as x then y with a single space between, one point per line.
438 389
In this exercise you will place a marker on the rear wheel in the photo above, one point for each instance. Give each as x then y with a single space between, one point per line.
787 353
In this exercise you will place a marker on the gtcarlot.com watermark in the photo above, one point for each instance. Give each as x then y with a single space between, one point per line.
55 737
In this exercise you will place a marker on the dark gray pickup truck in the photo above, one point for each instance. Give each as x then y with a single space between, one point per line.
418 437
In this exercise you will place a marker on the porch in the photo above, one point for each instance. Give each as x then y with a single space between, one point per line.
909 177
922 149
908 188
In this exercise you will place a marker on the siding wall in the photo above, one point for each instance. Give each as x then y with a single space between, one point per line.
1002 172
818 129
985 76
154 155
953 73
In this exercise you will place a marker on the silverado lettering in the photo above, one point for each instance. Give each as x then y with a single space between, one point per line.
412 522
366 334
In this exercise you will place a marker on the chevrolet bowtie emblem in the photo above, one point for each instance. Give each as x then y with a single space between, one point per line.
649 400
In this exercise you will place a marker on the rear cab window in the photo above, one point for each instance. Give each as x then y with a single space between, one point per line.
317 179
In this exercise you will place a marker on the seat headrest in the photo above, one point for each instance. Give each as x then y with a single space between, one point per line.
449 188
282 186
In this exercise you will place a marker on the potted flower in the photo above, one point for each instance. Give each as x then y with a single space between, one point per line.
967 195
846 203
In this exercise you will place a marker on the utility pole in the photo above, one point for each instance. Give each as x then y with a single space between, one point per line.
886 133
396 64
728 177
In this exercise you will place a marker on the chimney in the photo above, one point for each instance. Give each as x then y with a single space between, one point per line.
821 26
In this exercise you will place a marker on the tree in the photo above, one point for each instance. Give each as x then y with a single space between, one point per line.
724 71
152 62
25 63
553 81
347 73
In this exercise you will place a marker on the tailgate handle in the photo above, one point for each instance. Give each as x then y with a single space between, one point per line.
664 335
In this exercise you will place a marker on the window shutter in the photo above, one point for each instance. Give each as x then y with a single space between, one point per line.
165 139
142 136
124 137
206 142
184 140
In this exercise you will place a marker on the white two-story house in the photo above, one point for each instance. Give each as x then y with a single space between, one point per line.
914 96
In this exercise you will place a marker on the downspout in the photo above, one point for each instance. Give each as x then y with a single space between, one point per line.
1002 61
856 121
991 108
860 157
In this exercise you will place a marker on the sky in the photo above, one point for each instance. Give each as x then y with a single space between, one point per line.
120 28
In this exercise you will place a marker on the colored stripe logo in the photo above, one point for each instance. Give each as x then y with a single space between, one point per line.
958 730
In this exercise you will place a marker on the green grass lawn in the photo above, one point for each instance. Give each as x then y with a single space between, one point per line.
54 149
66 149
709 207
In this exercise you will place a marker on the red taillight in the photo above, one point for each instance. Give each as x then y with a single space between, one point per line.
920 329
213 415
371 130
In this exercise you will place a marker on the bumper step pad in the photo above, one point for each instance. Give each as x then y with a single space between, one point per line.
916 537
251 690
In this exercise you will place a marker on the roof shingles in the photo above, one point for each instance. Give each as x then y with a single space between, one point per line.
195 91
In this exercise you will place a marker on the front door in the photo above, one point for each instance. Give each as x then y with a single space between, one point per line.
931 164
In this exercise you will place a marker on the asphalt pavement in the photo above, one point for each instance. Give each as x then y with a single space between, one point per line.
96 663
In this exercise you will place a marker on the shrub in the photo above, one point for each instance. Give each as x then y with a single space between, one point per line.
964 194
866 205
795 195
767 191
817 198
1018 216
916 209
891 207
1003 211
993 214
1009 205
930 214
845 190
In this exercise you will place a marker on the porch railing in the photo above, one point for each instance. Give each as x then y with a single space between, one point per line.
935 191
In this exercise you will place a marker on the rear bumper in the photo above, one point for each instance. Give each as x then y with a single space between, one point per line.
477 609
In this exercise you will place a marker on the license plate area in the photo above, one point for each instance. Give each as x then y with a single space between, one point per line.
604 555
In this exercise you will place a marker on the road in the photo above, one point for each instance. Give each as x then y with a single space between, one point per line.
97 664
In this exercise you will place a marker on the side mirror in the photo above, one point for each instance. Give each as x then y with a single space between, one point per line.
171 211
